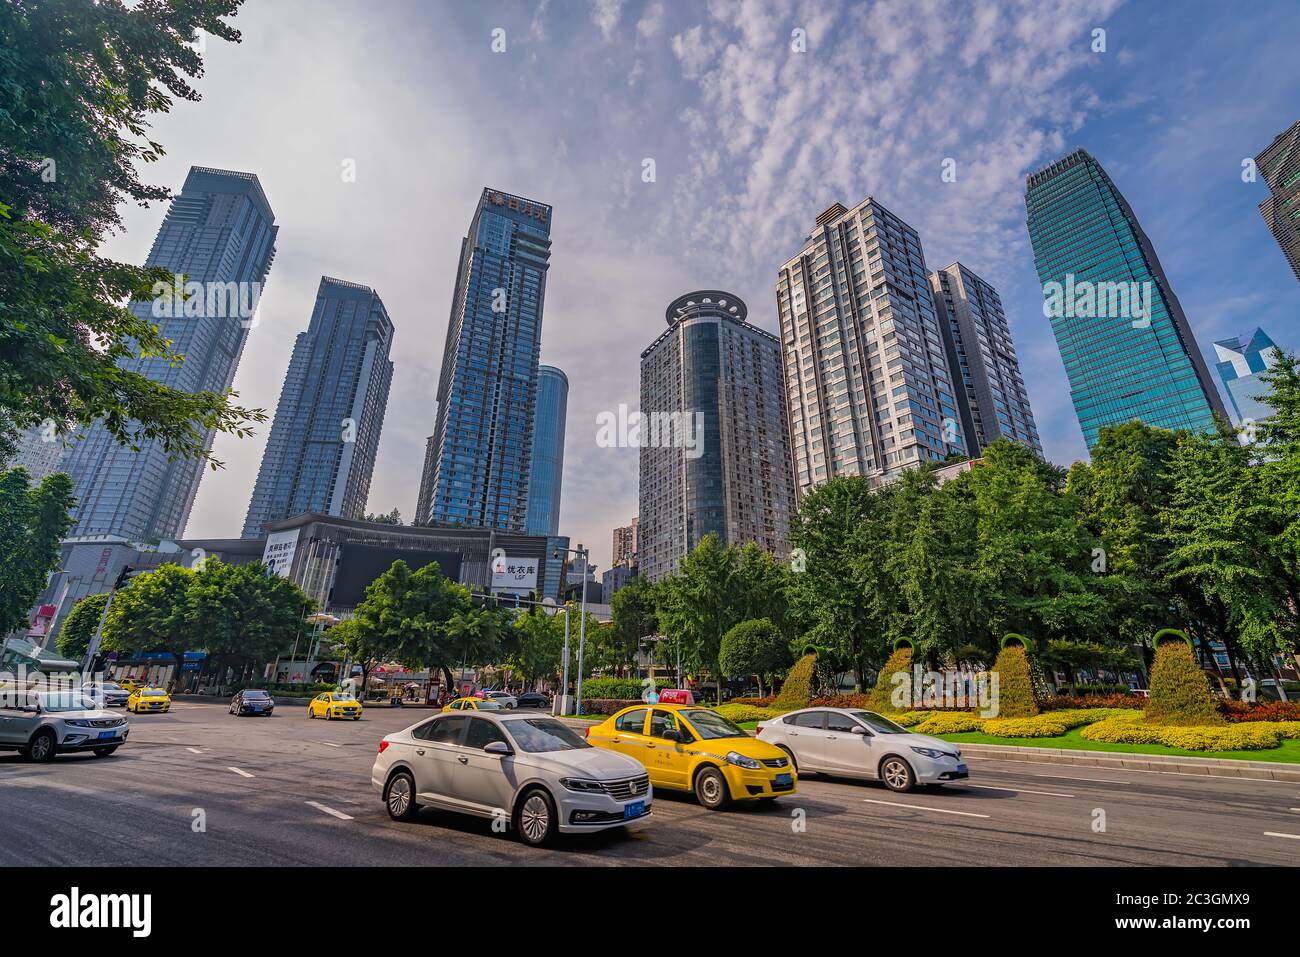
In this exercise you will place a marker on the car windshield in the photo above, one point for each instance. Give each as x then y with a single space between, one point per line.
153 693
544 734
710 724
342 697
66 702
256 694
878 723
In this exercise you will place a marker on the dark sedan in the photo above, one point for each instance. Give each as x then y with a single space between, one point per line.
533 699
252 702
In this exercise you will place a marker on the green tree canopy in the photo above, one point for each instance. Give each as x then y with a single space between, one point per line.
77 630
33 522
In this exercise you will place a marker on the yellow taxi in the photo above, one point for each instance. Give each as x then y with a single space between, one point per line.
334 704
146 700
473 704
132 685
688 748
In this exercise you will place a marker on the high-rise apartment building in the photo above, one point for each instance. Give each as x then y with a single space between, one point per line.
321 452
477 460
867 377
713 435
39 450
625 543
1279 164
1241 360
1128 348
546 466
220 234
991 393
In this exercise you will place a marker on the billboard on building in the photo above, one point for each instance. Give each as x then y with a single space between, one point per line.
278 554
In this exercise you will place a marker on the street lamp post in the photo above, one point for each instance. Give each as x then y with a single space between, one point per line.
582 621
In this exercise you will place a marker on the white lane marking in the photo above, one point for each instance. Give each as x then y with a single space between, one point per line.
1294 837
1062 777
329 810
242 773
193 750
331 744
922 807
990 787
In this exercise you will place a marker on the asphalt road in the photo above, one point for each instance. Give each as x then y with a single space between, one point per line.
290 791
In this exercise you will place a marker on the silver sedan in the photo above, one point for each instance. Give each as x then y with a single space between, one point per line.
862 744
528 771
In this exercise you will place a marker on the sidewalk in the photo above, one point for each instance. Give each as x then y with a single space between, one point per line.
1124 760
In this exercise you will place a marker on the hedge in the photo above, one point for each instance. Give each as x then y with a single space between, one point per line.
738 713
1180 692
796 690
881 697
1015 687
618 687
1064 701
606 705
1245 736
1268 711
947 722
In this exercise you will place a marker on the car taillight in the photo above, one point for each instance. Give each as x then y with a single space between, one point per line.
586 732
383 746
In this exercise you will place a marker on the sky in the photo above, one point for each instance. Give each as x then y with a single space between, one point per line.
756 117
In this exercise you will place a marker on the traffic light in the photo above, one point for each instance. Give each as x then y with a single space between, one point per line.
123 576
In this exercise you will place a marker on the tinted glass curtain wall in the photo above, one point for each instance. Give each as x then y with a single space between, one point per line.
546 465
220 233
1140 362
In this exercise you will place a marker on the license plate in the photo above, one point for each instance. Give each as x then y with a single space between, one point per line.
635 809
961 769
784 780
108 734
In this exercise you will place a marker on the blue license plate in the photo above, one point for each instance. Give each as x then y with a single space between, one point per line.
635 809
108 734
784 780
961 769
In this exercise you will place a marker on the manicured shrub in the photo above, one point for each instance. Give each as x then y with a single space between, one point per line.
617 687
1015 686
754 702
1061 702
1038 726
796 691
1247 736
742 712
605 705
1180 693
1264 711
881 696
910 719
948 722
844 701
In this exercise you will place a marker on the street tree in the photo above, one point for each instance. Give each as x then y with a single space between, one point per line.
78 628
754 647
153 613
33 521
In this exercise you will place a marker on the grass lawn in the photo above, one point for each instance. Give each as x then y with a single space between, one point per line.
1288 752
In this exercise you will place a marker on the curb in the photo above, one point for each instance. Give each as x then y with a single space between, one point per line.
1125 760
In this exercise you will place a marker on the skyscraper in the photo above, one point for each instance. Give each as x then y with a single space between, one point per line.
320 454
869 388
713 436
625 545
1241 360
220 233
476 463
39 450
546 466
1280 166
1128 348
991 393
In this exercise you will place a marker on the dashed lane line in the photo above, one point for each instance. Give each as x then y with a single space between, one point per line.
990 787
922 807
241 772
330 811
1294 837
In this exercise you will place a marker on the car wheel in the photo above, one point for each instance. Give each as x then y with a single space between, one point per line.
535 819
711 789
42 746
794 764
357 718
105 752
400 797
897 774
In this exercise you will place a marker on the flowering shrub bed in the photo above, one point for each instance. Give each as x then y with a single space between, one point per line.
1062 702
740 713
1243 736
1268 711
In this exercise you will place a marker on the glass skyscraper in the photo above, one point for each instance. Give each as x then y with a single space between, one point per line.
714 437
1128 348
220 233
991 393
1279 164
546 466
320 454
866 373
476 463
1241 360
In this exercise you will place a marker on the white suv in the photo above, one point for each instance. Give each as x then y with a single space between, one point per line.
41 724
530 770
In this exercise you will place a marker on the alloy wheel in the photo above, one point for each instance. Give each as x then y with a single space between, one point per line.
535 819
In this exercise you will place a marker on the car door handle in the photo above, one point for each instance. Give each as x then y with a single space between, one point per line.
651 746
831 737
462 759
419 751
614 739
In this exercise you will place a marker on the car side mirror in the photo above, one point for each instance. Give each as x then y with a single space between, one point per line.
858 729
671 734
498 747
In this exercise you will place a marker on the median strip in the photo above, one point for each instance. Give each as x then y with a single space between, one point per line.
329 810
922 807
242 773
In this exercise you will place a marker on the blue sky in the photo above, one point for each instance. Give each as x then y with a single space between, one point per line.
750 140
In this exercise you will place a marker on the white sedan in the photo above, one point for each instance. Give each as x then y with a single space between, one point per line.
503 698
862 744
529 770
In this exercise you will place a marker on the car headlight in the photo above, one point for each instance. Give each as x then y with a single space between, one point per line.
741 761
930 752
579 784
77 723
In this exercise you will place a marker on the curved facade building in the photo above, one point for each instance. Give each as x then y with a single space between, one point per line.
546 465
714 435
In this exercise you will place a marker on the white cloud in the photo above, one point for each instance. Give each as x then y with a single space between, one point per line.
605 14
